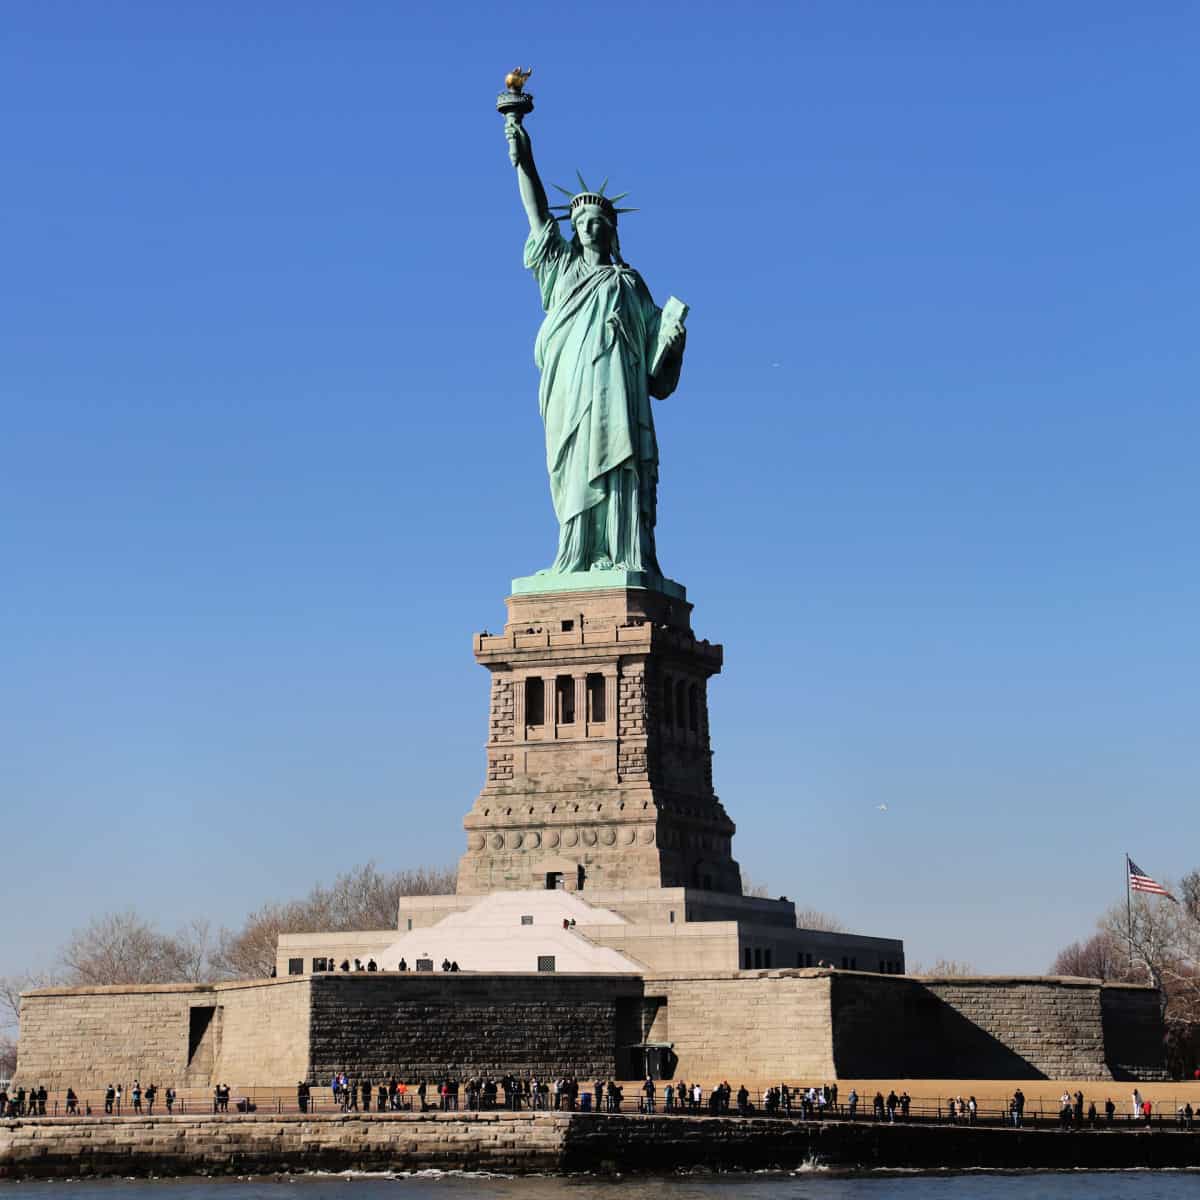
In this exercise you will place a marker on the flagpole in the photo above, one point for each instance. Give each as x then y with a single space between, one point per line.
1128 912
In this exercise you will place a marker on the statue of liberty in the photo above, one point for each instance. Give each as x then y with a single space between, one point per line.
603 350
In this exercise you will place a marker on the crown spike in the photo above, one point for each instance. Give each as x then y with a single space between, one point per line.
619 196
625 210
582 183
562 189
601 188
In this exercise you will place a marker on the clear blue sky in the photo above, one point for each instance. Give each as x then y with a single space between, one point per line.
271 450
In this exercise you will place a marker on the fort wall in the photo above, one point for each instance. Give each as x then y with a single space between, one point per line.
186 1035
757 1026
1133 1031
992 1028
82 1037
265 1032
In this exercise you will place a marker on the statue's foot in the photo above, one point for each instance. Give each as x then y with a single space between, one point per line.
602 564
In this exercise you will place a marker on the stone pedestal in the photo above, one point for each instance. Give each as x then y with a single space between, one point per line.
599 764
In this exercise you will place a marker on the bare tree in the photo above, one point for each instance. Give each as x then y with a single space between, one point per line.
1150 931
11 987
192 953
362 898
249 952
1102 956
814 918
1189 894
8 1056
120 948
944 966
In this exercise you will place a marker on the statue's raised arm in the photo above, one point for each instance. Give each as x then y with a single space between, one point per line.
514 104
533 194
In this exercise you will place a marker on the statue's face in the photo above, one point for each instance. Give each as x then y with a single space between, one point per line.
595 233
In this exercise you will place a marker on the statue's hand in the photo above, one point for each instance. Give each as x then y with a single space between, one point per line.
675 339
518 141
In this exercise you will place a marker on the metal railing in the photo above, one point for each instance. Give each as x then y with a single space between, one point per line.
629 1100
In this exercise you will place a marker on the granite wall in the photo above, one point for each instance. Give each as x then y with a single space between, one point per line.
746 1025
181 1035
433 1025
993 1028
1133 1032
757 1026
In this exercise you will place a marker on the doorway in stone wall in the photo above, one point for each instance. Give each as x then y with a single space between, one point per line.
204 1041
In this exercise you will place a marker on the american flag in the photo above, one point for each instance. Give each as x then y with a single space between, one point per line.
1139 881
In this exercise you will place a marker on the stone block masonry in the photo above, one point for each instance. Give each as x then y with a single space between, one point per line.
178 1034
1133 1032
267 1145
756 1026
523 1143
459 1025
599 756
994 1028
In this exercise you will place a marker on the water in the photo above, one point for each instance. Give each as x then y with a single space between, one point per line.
803 1185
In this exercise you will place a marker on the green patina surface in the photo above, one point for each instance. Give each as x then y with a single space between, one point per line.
604 349
584 581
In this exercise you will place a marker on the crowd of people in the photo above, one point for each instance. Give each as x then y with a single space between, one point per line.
22 1103
474 1094
325 965
32 1103
566 1094
1071 1112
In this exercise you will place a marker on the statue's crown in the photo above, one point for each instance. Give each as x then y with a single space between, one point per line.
596 199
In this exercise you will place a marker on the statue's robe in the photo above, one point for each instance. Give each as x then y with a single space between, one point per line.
594 350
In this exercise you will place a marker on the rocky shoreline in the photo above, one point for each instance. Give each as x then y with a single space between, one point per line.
524 1143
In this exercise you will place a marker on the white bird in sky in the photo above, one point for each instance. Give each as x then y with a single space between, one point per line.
881 807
